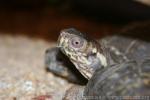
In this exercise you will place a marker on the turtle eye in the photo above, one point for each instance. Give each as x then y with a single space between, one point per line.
76 42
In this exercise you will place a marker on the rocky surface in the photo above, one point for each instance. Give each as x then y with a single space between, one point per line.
22 71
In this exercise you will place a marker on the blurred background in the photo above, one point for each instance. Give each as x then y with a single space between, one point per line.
45 18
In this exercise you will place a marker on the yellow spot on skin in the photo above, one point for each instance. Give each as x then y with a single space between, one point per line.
102 59
94 50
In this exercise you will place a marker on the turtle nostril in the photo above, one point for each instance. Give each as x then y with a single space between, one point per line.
63 33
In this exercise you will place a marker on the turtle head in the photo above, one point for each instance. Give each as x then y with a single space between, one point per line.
86 54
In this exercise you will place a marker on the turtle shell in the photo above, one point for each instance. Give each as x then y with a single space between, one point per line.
127 79
126 49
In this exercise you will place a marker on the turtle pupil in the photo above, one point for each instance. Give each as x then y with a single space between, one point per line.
76 43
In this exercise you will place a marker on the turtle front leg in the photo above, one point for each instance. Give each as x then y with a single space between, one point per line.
59 64
74 93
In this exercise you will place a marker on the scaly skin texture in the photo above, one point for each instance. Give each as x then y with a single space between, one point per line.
110 71
86 54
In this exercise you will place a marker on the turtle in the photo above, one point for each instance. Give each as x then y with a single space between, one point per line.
114 67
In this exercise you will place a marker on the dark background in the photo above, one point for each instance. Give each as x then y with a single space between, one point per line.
45 18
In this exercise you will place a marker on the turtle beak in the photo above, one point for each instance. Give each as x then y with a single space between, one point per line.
60 41
62 38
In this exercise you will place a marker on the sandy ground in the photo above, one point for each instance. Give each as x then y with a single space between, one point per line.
22 70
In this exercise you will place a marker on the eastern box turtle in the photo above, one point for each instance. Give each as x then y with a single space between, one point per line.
116 67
